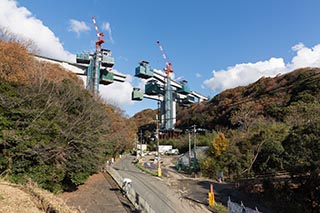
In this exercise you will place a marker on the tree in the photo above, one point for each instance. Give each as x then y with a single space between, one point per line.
302 148
219 144
269 152
53 130
302 159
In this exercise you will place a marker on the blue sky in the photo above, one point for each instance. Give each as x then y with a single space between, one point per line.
215 45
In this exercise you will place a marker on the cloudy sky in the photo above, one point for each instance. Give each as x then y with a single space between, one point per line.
214 45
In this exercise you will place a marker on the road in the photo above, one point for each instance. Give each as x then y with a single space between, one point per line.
154 190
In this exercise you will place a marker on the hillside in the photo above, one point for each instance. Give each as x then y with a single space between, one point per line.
260 131
52 130
29 198
267 97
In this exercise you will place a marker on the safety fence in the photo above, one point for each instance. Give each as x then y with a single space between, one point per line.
140 203
240 208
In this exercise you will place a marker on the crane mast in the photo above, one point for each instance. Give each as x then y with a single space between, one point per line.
98 64
166 91
96 60
100 35
168 95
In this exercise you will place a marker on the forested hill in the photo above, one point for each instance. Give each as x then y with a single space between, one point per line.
271 98
269 127
52 130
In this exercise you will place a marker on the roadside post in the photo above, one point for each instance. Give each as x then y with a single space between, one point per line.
211 196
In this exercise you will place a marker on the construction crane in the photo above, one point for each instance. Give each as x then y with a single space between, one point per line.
96 66
100 35
99 64
92 79
168 68
168 92
168 99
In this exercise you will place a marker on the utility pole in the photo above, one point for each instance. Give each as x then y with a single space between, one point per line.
157 138
189 137
194 148
136 141
140 143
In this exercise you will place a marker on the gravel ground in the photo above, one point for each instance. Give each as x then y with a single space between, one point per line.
97 195
197 188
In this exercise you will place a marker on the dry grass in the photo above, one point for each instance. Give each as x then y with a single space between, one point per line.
30 198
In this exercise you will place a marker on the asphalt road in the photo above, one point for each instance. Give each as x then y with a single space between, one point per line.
154 190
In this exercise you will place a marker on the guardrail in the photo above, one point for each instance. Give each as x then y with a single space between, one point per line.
138 201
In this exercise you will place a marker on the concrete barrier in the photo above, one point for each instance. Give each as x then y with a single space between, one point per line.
139 202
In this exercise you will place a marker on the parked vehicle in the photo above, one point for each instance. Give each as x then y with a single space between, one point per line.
164 148
172 152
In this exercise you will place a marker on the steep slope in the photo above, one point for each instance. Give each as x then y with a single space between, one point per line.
29 198
52 130
267 97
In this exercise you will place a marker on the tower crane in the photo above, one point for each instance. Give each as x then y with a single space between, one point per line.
168 99
96 66
100 35
99 64
162 88
168 68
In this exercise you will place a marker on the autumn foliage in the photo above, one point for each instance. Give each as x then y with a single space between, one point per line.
52 130
272 126
14 58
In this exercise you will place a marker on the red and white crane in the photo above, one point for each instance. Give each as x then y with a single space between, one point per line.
168 68
168 103
100 35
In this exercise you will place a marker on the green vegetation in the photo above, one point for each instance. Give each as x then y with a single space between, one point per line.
267 128
272 126
51 129
218 207
56 133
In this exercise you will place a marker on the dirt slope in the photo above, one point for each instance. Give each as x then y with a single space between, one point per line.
29 198
13 199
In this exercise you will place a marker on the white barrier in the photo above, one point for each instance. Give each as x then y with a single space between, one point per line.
239 208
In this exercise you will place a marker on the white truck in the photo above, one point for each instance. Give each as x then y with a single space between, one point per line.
164 148
172 152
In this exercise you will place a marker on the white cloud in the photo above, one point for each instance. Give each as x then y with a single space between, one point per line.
20 21
118 93
78 26
243 74
106 26
246 73
305 57
142 84
198 75
297 46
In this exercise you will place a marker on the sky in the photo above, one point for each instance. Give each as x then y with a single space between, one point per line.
213 44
